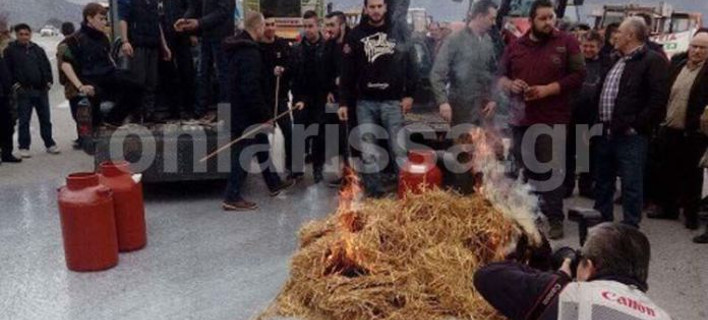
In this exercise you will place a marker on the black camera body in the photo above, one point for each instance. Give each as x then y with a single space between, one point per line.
560 255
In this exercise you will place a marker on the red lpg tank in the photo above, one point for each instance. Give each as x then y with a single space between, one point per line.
129 206
88 224
419 173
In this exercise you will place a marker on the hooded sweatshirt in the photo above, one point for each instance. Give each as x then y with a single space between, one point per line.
377 66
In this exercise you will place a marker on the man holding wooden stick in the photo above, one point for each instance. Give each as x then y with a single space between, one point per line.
248 109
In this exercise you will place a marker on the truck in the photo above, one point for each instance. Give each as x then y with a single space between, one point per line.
669 27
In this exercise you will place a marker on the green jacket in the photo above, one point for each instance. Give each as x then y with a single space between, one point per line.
468 64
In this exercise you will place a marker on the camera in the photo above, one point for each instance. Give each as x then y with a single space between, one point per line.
560 255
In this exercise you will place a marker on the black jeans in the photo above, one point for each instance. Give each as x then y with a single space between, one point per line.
623 156
125 93
7 127
144 67
551 202
238 167
312 115
681 180
28 99
178 78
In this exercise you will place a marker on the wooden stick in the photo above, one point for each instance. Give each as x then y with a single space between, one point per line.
244 136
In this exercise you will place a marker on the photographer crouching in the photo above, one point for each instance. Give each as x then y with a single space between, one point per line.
611 281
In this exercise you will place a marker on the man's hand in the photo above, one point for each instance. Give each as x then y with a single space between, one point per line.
127 49
565 268
87 90
194 41
330 98
517 86
299 106
489 109
446 112
704 122
166 54
343 113
278 71
49 85
407 104
541 92
190 25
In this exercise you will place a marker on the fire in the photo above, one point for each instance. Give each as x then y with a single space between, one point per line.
351 194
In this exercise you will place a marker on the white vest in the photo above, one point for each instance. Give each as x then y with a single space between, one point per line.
606 300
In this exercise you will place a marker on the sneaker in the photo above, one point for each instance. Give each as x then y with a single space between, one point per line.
556 232
658 213
702 239
317 175
240 205
10 159
25 154
282 187
53 150
76 144
336 184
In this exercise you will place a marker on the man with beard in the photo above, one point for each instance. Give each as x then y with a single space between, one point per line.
539 72
380 74
337 29
467 62
310 88
276 61
248 108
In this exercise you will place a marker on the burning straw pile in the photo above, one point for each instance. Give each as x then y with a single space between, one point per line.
409 259
406 259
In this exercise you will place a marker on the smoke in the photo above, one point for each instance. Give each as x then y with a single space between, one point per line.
512 197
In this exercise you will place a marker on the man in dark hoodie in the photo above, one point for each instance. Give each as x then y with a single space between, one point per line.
379 73
249 108
310 88
214 20
31 78
7 126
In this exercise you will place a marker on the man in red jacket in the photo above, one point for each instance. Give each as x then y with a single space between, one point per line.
539 72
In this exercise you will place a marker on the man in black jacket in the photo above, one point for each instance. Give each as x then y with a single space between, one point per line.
680 140
310 88
7 126
379 73
249 108
89 67
277 61
584 106
32 78
142 42
214 20
179 74
633 98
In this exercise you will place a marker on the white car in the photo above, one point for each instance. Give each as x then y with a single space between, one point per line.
49 31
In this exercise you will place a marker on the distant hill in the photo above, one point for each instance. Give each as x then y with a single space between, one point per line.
37 13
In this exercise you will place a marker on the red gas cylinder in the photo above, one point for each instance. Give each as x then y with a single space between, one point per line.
88 224
129 206
419 173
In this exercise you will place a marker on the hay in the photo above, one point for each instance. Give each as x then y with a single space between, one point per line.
408 259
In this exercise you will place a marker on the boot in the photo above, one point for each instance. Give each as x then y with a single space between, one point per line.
702 239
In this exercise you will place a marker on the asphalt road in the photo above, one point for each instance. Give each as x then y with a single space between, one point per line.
202 263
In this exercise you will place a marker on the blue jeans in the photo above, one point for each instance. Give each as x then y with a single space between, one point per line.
389 116
238 172
211 58
623 156
27 99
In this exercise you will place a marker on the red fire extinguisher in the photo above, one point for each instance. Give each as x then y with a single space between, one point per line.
419 173
129 205
88 224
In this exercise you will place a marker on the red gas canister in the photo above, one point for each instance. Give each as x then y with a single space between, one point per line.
88 224
419 173
129 206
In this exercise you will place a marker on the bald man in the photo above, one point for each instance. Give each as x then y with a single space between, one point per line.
681 141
